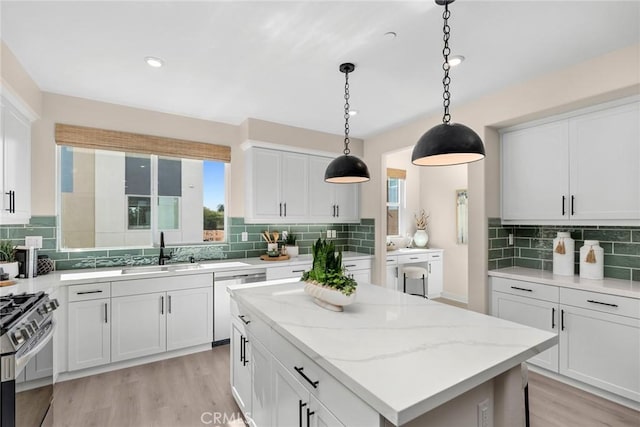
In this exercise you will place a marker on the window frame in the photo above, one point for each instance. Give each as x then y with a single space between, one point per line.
153 230
401 205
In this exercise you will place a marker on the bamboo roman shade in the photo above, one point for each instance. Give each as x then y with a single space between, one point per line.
101 139
396 173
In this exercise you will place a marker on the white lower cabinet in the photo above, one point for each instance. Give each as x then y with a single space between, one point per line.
293 405
531 312
139 326
275 384
122 320
189 317
359 270
599 334
89 333
601 349
436 275
240 368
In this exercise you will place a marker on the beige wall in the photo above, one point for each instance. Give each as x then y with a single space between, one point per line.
17 82
607 77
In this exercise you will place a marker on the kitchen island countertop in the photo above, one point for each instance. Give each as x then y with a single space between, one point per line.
402 355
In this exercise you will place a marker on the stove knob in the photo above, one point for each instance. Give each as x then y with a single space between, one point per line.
34 325
25 333
29 328
54 304
18 338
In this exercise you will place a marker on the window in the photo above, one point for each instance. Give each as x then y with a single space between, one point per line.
115 199
395 201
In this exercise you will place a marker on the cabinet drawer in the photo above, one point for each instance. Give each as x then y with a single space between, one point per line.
527 289
249 322
413 258
90 291
601 302
290 271
161 284
344 404
357 264
392 260
434 256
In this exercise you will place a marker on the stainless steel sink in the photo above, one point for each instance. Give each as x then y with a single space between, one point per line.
147 270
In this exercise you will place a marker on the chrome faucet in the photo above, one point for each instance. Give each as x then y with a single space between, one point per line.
162 257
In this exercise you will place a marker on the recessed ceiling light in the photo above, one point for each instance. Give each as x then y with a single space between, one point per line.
455 60
353 112
154 62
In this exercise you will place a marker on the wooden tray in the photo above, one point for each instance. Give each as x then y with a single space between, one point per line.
266 257
7 283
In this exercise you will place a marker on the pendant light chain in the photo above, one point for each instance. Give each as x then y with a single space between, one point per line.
346 114
446 118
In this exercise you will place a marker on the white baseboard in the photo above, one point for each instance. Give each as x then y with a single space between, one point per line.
66 376
454 297
586 387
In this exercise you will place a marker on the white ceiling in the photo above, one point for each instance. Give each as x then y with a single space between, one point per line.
278 61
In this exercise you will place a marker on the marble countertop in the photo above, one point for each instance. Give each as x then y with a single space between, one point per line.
401 354
53 280
624 288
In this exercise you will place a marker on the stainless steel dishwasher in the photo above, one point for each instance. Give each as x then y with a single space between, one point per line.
222 300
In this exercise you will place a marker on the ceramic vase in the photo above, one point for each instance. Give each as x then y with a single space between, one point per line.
591 260
421 238
328 298
563 254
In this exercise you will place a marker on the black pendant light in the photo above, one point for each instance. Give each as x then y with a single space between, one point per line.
447 144
346 169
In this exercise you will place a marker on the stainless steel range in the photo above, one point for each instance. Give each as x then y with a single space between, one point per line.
26 358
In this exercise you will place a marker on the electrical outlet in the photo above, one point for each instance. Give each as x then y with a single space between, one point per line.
33 241
328 234
510 239
485 417
245 236
334 234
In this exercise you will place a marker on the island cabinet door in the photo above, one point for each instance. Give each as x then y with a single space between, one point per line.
240 368
290 398
317 415
601 349
139 326
261 394
531 312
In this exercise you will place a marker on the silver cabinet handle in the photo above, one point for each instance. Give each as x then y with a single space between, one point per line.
161 305
169 304
106 308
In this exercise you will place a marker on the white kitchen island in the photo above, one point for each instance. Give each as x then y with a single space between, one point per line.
388 359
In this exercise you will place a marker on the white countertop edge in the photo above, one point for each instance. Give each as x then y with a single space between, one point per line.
397 417
619 287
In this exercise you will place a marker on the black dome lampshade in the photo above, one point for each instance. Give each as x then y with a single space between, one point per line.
447 143
346 169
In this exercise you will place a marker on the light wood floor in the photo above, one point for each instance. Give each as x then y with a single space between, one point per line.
176 392
171 393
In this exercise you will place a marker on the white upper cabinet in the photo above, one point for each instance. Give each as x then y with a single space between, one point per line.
284 187
15 165
605 164
581 169
330 202
535 173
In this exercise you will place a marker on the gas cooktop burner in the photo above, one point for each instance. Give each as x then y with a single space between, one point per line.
12 307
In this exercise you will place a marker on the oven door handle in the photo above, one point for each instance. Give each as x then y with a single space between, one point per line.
24 359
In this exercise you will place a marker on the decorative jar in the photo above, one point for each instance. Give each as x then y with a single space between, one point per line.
563 254
591 260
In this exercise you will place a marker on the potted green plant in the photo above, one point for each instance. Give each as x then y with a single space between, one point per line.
326 281
8 261
290 244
